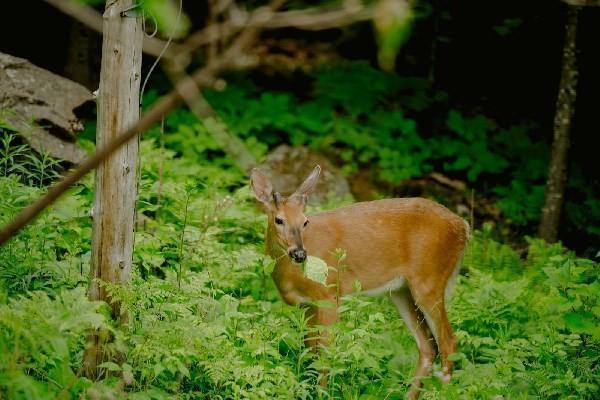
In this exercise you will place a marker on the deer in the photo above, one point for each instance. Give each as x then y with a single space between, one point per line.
408 248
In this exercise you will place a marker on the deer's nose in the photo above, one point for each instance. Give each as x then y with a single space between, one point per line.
298 255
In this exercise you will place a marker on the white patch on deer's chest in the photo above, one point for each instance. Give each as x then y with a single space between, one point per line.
390 286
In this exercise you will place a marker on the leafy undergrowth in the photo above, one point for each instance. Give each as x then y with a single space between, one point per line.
206 321
391 129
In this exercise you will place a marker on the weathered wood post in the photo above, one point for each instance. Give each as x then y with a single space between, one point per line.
115 184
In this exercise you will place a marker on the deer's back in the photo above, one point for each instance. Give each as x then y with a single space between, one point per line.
392 237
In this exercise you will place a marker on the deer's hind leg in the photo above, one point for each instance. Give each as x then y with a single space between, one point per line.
431 302
415 322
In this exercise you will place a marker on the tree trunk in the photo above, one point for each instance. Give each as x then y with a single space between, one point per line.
565 107
115 185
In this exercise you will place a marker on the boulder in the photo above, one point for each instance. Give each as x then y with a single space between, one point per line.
288 166
41 107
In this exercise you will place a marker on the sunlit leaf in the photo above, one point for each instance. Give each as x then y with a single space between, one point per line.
393 23
316 269
170 20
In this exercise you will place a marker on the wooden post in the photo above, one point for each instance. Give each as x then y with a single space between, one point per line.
565 107
115 184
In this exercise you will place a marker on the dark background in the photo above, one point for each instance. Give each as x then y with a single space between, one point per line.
512 77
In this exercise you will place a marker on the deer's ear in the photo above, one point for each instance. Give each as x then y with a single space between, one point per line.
309 184
261 186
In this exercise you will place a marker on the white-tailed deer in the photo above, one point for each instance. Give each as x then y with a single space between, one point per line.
410 248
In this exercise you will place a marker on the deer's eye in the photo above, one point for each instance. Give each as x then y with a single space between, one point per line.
305 223
278 221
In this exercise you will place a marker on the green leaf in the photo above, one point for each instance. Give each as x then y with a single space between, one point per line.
580 322
268 267
393 22
168 17
316 269
111 366
456 357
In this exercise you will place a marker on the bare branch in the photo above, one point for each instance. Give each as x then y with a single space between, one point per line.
230 143
234 57
317 19
265 18
93 20
84 14
213 14
222 5
583 3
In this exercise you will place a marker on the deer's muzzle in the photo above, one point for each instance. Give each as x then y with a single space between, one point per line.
298 255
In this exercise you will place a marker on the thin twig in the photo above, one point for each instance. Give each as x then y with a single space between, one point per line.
236 54
160 165
583 3
230 143
233 58
91 18
213 15
185 218
266 18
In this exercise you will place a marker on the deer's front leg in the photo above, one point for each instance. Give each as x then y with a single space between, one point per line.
320 320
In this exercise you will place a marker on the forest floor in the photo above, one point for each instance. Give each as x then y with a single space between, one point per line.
206 321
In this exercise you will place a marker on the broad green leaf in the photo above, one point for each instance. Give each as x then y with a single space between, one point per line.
316 269
111 366
580 322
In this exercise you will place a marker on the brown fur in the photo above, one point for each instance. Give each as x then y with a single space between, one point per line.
414 239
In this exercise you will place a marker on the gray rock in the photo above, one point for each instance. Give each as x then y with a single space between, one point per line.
287 167
40 106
